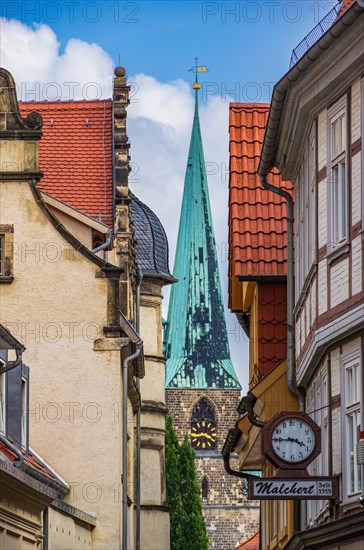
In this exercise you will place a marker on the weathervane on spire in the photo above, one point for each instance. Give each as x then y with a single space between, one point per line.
198 69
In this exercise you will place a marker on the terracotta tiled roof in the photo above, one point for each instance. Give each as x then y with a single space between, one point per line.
251 544
29 460
257 218
75 153
345 5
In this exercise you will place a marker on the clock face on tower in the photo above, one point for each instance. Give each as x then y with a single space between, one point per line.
293 440
203 435
203 426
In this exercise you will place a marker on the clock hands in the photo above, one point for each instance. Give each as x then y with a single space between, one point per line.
289 439
202 434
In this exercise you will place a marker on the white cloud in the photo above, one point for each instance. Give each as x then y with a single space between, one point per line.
159 127
32 54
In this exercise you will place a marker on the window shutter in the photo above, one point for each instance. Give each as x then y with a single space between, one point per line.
13 403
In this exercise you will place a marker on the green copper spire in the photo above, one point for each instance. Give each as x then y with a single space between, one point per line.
196 343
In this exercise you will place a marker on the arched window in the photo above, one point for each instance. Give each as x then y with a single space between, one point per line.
205 488
203 426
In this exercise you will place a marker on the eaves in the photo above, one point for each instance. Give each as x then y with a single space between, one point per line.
289 83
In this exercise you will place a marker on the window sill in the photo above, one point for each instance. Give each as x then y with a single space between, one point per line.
6 279
338 251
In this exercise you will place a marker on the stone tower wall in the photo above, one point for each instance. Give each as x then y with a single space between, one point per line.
229 516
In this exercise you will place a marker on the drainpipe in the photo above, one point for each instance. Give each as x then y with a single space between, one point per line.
138 419
13 364
19 454
126 362
227 449
290 289
106 244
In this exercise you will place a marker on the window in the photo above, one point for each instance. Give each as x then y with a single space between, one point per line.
2 254
338 173
205 488
6 253
305 213
352 477
317 402
24 412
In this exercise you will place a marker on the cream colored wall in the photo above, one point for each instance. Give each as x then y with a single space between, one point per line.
64 532
81 231
56 306
20 522
154 517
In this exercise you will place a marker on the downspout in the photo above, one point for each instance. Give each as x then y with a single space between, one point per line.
106 244
290 289
19 454
226 452
13 364
138 419
126 362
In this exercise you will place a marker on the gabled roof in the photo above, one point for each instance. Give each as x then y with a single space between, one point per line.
75 154
257 218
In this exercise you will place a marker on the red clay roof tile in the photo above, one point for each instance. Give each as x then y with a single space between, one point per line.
29 459
345 5
257 218
251 544
75 154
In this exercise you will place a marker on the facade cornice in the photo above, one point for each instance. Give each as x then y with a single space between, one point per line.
343 326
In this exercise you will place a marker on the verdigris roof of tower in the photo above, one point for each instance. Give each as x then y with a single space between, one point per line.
151 244
196 343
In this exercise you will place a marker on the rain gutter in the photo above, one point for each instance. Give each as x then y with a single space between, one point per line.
227 449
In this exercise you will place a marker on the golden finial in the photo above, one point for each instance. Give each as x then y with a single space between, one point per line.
197 69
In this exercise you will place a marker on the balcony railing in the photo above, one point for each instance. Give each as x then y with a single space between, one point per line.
315 34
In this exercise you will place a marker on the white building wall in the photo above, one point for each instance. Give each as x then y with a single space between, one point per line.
322 286
339 281
355 110
356 188
357 265
322 210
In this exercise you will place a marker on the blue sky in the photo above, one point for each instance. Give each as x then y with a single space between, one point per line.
240 42
246 45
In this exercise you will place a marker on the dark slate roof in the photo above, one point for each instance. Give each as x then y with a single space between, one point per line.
151 246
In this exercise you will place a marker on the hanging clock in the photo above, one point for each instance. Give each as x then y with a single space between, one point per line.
291 440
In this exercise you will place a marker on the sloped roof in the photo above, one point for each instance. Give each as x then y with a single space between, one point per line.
250 544
35 467
257 218
151 244
75 154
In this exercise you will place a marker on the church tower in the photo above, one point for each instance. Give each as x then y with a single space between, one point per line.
202 388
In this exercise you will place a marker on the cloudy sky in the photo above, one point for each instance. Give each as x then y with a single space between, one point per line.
69 49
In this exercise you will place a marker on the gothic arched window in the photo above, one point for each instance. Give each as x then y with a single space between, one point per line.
203 426
205 488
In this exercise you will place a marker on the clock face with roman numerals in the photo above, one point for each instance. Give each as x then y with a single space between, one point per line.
203 435
293 440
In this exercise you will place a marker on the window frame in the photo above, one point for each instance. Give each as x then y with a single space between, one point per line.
305 233
339 110
347 361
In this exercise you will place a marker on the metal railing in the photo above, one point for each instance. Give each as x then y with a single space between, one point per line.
315 34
